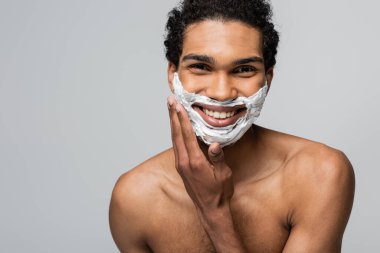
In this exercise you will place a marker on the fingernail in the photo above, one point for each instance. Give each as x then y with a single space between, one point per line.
170 101
216 150
178 108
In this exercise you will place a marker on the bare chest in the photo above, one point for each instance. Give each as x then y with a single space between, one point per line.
260 217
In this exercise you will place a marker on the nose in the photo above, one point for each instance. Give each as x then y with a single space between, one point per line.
220 88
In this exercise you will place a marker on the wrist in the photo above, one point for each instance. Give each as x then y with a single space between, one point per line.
218 216
218 224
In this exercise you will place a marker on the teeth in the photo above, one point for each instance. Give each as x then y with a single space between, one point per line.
219 115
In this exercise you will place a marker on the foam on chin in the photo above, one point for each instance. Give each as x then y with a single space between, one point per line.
226 135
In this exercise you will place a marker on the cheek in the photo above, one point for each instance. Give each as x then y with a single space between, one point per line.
196 83
251 90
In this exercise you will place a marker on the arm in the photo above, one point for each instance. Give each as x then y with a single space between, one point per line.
219 226
324 207
208 181
126 215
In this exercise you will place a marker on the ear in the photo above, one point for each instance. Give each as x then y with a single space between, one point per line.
171 70
269 76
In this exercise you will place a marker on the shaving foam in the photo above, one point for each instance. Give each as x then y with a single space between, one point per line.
226 135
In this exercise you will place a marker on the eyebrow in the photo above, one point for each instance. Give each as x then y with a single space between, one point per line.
252 59
211 60
199 57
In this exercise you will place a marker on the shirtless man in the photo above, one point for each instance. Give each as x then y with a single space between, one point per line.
267 192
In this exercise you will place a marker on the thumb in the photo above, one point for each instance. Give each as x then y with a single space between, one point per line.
216 155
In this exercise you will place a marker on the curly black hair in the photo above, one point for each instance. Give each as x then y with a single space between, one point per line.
257 13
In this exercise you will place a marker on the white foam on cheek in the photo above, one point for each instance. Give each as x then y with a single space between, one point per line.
223 135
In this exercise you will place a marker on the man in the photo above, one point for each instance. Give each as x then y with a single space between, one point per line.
252 190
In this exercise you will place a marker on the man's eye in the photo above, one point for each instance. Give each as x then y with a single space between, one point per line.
244 69
199 66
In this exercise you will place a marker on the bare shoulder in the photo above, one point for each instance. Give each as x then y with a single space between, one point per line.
144 178
133 199
321 185
310 163
314 164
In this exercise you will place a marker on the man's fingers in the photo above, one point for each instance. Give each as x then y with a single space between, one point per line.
173 131
216 155
180 152
190 140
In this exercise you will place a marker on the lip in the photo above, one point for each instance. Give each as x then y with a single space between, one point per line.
220 122
220 108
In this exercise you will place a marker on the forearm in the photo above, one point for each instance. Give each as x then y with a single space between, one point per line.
219 225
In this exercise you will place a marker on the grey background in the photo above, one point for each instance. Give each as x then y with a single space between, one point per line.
83 99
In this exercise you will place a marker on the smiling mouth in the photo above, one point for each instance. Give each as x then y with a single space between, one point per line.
220 116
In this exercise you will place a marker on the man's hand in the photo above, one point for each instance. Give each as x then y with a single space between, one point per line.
207 181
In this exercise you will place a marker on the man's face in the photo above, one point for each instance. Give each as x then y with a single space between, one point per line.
223 61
